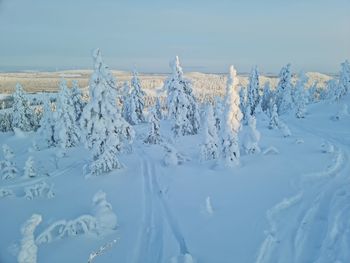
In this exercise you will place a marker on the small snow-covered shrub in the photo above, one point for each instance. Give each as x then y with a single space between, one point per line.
39 190
6 192
8 166
29 168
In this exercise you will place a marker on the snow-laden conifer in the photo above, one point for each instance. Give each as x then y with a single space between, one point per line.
253 90
344 80
67 133
232 121
23 117
274 119
46 131
106 132
251 137
182 105
284 91
77 99
300 96
209 150
8 165
154 133
267 94
244 104
29 168
137 99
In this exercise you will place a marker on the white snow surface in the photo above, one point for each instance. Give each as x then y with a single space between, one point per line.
289 203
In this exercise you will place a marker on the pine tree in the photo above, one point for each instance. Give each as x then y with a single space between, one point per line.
244 104
210 146
182 105
158 108
137 101
29 168
274 120
253 90
46 130
218 111
125 99
300 96
22 115
251 137
267 94
284 91
331 88
106 132
232 121
154 134
67 132
77 100
344 80
8 166
312 92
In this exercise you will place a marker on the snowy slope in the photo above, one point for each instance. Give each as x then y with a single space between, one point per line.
290 206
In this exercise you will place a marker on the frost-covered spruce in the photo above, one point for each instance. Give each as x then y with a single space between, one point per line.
267 94
154 133
46 130
232 121
253 90
125 99
106 132
182 105
300 96
312 92
77 100
251 137
274 119
284 91
67 133
28 250
158 108
29 168
23 117
8 166
137 101
209 150
244 104
218 111
5 120
344 81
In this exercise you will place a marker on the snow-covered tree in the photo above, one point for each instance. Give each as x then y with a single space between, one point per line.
28 250
29 168
125 100
8 166
46 130
77 100
182 105
218 111
312 92
210 147
103 212
137 101
106 132
284 91
158 108
244 104
23 117
5 120
344 80
67 133
232 121
300 96
267 94
251 137
154 133
253 90
274 119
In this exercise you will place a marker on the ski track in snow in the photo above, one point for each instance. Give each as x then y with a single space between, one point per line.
156 211
314 225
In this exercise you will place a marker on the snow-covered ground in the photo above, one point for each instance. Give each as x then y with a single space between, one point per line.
290 203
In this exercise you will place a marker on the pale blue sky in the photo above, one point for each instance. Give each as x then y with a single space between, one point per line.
207 35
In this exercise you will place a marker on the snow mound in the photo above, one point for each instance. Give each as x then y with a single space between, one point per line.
271 151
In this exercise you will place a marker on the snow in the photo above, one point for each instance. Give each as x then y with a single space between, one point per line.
289 203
